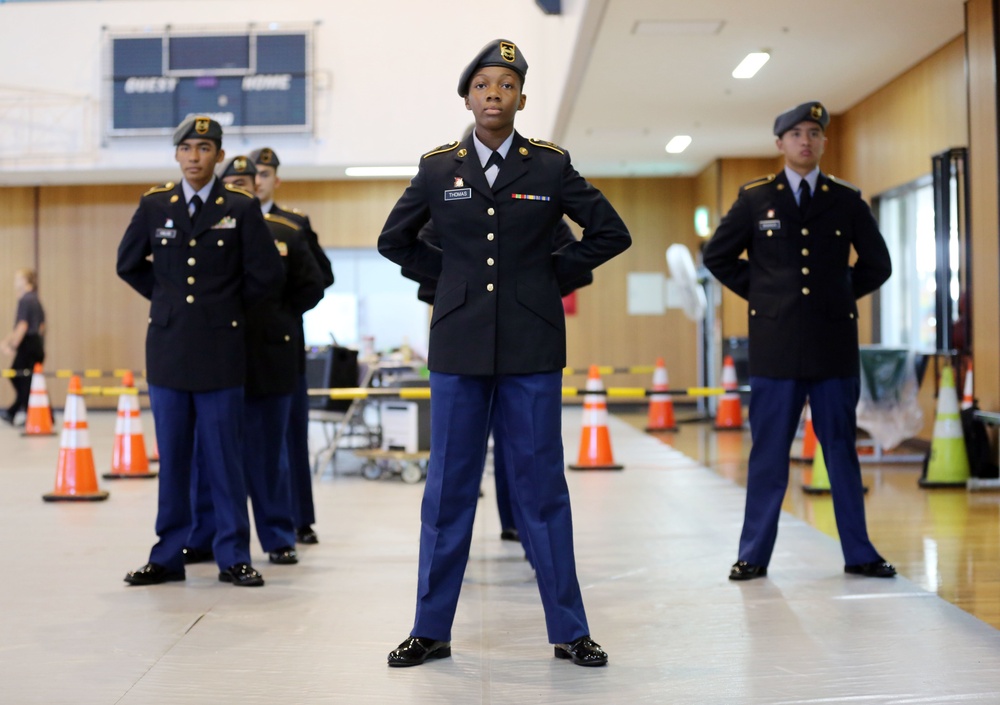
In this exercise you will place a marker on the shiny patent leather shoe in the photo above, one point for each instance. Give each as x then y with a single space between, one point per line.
241 575
152 574
584 652
510 535
875 569
742 570
197 555
417 649
305 534
284 556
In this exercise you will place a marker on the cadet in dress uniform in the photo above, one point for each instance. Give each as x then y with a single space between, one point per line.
295 453
498 330
798 229
273 349
202 253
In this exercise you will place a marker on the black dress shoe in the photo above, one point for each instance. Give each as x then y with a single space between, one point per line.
742 570
584 652
305 534
510 535
241 575
7 417
197 555
875 569
152 574
417 649
284 556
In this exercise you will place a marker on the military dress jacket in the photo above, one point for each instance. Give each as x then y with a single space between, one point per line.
497 308
797 278
275 341
199 279
311 238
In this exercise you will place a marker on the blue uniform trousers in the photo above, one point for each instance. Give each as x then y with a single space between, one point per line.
510 513
530 409
216 418
295 457
775 408
265 420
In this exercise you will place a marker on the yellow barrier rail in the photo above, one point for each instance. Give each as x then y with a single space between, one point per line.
345 393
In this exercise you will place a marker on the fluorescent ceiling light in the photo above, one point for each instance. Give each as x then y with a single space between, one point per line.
750 65
675 28
380 171
678 144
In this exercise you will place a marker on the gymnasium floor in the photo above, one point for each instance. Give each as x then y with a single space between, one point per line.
654 545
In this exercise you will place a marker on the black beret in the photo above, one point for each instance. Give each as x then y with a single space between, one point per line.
812 111
499 52
239 166
265 156
198 127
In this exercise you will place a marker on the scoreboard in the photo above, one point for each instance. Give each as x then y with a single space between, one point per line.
248 81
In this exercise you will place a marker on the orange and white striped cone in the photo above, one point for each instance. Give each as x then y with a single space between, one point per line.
38 421
808 452
128 458
76 479
968 401
595 440
661 406
729 414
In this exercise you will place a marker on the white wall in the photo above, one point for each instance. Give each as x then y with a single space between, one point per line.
386 76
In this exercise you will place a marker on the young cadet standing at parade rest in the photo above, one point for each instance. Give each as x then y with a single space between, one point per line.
274 345
798 229
498 329
202 253
295 453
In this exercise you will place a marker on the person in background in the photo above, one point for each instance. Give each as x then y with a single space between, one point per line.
295 453
25 342
202 254
498 332
798 229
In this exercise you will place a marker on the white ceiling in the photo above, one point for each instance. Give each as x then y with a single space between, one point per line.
639 90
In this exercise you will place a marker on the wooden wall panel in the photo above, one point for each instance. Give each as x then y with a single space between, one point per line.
343 213
17 250
984 215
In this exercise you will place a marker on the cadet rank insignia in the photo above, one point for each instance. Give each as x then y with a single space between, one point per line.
201 125
282 247
816 112
508 52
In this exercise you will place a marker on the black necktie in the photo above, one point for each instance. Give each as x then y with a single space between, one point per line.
495 158
805 196
195 202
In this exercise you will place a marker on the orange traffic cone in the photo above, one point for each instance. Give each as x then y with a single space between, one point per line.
729 414
38 421
76 479
808 452
967 399
128 459
595 441
661 406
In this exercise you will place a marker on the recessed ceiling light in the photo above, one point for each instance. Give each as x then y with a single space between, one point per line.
678 144
380 171
751 64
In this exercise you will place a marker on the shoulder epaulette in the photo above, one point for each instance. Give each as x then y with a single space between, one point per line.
237 189
760 181
841 182
283 221
547 145
169 186
441 150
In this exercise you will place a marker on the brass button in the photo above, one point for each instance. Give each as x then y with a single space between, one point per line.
189 299
287 338
191 261
163 241
190 280
489 287
221 243
235 324
490 211
489 236
837 233
192 242
805 231
805 252
149 320
851 316
805 290
805 270
489 261
770 233
753 312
